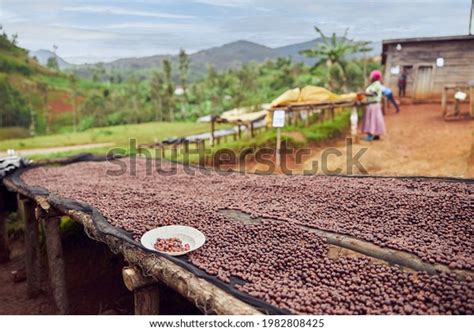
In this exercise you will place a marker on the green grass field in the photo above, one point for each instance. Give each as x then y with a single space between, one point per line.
146 133
118 135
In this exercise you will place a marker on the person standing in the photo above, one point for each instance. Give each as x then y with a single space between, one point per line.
387 92
373 124
402 84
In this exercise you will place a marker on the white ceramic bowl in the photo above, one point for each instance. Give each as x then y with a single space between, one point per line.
187 234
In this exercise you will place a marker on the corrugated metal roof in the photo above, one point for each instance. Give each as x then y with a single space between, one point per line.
387 42
415 40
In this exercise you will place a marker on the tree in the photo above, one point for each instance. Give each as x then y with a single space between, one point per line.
14 110
156 95
73 84
98 71
42 89
334 51
14 38
133 92
94 111
183 69
52 63
168 100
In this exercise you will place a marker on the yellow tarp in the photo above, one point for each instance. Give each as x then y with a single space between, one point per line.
245 114
287 98
246 117
311 94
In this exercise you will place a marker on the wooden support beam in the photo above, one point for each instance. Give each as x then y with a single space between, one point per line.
201 152
4 245
174 152
444 101
26 210
239 131
186 147
213 128
252 134
146 291
306 122
57 275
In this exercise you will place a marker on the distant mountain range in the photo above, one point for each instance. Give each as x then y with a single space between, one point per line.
227 56
44 55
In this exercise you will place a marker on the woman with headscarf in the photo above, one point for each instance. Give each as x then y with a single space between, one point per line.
373 123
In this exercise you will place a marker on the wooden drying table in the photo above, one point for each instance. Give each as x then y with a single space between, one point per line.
326 108
154 268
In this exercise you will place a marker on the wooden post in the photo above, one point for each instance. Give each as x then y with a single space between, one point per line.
4 245
163 152
278 149
145 290
201 150
26 209
186 147
174 152
212 131
251 130
239 131
56 265
444 100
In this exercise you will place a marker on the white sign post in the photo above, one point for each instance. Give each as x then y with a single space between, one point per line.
278 122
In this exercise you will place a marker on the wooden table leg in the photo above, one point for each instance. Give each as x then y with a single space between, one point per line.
26 209
146 292
56 265
4 245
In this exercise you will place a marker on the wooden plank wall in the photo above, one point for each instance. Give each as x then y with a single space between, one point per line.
458 63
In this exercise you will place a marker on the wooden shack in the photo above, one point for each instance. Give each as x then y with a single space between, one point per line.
430 64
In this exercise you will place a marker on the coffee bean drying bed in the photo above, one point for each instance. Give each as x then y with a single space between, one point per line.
278 244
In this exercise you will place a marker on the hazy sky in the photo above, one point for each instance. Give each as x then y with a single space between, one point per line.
103 30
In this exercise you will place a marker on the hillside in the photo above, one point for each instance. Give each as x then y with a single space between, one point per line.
44 55
34 99
227 56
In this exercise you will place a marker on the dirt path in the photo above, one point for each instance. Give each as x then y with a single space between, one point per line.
13 297
37 151
418 142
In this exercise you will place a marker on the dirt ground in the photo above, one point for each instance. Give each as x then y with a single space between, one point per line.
93 274
94 278
13 298
418 142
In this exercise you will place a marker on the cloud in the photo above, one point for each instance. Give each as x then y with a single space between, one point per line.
9 16
226 3
124 11
161 27
94 30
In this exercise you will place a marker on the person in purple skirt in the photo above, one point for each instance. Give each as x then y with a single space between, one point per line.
373 123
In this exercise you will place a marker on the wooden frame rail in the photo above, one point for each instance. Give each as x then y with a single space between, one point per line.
204 295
